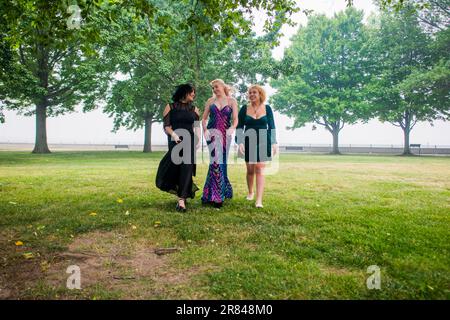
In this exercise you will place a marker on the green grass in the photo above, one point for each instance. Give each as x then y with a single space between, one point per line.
325 220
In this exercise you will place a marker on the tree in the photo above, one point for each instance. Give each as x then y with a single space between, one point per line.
137 103
53 66
152 66
61 63
328 90
156 63
410 85
5 63
434 14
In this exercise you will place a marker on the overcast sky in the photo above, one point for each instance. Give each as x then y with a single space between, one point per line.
95 127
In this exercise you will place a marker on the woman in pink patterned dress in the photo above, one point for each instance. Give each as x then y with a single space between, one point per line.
222 111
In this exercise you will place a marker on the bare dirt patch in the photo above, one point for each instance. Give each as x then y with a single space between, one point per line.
112 261
17 274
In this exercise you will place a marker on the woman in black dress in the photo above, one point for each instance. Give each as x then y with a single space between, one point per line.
177 167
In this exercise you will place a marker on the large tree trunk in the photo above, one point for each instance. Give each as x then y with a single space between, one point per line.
148 135
406 131
334 128
40 145
406 148
335 134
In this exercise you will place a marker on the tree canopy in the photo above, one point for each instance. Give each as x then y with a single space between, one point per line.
328 88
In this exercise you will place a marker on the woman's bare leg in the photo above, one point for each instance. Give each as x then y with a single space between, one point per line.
250 179
259 170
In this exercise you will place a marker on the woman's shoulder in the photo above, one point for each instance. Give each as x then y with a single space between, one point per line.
243 109
269 108
233 100
167 109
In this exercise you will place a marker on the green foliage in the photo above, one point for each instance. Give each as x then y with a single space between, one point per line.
432 15
56 66
328 86
412 78
51 65
429 92
154 61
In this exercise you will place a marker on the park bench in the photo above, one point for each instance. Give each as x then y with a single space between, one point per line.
294 148
415 145
121 146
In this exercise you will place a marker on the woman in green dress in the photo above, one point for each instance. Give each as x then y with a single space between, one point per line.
256 137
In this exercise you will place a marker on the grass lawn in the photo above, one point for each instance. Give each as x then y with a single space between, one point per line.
325 220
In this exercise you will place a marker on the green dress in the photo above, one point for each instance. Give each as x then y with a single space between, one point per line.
257 135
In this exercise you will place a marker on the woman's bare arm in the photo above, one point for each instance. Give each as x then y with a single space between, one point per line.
205 118
235 113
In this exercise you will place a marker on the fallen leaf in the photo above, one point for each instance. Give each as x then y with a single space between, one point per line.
28 255
44 266
127 213
93 214
133 227
19 243
13 203
119 201
157 224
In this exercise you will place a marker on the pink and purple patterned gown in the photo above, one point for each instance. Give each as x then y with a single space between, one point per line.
217 186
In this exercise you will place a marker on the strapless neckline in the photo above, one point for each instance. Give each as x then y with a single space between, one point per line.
220 109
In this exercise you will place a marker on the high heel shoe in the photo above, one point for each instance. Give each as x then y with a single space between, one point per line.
180 208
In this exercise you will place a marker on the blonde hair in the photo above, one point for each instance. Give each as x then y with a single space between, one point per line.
226 88
261 91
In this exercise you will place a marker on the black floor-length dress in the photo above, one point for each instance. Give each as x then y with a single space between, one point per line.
177 178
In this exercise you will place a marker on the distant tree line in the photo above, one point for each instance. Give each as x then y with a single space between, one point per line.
395 68
126 57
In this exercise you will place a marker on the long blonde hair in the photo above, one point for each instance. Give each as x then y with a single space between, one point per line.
226 87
